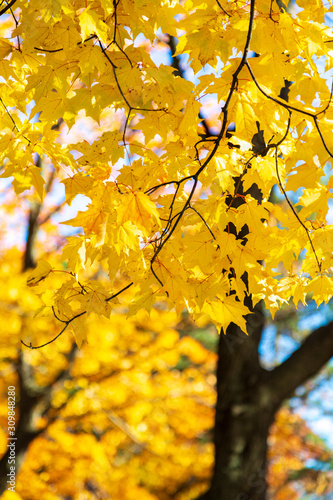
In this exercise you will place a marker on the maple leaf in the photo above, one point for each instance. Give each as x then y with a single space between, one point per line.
91 24
140 210
141 301
75 253
77 184
322 288
225 311
78 328
40 273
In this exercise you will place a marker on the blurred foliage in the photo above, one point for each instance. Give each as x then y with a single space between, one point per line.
131 414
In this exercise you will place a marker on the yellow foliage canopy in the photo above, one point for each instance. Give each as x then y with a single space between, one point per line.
164 195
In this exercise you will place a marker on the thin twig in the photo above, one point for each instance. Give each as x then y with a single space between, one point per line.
226 13
8 6
30 346
203 220
293 210
57 317
12 119
118 293
69 321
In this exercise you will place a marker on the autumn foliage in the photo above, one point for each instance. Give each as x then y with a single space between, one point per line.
163 195
195 191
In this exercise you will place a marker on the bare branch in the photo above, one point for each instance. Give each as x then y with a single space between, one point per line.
8 6
304 363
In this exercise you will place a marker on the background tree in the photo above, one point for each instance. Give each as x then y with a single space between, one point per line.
174 213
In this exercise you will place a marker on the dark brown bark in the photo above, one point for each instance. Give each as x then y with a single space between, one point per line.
243 416
240 461
29 260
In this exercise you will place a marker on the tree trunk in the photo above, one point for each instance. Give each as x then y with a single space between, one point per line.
244 412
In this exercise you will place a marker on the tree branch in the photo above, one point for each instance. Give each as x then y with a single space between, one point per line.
29 258
8 6
304 363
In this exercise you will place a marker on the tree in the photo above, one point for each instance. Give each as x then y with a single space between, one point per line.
176 212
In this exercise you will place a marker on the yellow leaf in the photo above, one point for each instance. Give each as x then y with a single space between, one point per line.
141 301
190 120
39 274
79 330
78 184
50 9
245 117
91 24
93 221
5 49
140 210
94 300
37 181
75 253
322 288
225 311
